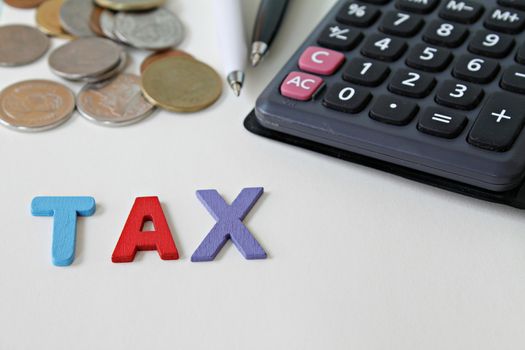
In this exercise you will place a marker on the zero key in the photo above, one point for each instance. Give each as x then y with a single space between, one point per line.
499 123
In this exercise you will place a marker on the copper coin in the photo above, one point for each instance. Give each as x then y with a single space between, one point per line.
48 19
115 102
94 20
21 44
36 105
24 4
160 55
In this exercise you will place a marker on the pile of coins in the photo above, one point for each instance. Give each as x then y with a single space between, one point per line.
100 33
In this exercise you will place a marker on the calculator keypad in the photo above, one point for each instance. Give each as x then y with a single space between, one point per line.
445 76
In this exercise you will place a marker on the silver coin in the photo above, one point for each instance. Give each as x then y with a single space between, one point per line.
130 5
107 24
21 44
153 30
123 62
75 16
85 57
115 102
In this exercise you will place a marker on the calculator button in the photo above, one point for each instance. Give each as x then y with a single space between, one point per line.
419 6
459 95
505 20
412 84
345 98
376 2
393 110
476 69
445 34
300 86
357 14
365 72
499 123
441 123
491 44
319 60
520 56
463 11
383 47
427 58
513 79
517 4
401 24
340 37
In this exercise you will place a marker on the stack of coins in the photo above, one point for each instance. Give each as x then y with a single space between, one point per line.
100 33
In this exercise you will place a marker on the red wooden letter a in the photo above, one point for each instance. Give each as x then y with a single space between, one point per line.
134 239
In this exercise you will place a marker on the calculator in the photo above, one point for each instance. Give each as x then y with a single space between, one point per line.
434 86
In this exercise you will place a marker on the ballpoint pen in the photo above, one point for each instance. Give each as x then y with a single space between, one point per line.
232 43
269 18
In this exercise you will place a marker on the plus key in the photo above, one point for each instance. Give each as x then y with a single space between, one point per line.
499 123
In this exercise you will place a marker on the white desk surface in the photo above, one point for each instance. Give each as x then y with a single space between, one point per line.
358 259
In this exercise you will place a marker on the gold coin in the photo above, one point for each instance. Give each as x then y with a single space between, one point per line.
48 19
181 84
24 4
160 55
130 5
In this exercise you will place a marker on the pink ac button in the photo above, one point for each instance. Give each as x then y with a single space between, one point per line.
300 86
319 60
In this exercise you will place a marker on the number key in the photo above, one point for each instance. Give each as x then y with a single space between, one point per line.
383 47
345 98
458 95
475 69
358 14
365 72
412 84
445 34
491 44
401 24
428 58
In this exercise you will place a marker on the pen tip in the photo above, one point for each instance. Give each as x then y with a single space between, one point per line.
236 87
256 58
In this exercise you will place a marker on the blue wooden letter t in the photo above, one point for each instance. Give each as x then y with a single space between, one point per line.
64 211
229 225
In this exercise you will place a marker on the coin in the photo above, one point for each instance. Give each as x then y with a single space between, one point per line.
123 61
24 4
36 105
85 57
153 30
130 5
21 44
94 20
75 15
160 55
48 19
107 24
115 102
181 84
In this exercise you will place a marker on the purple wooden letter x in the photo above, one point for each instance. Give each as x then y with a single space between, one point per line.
229 225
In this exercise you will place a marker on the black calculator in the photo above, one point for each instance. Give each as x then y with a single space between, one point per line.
429 85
